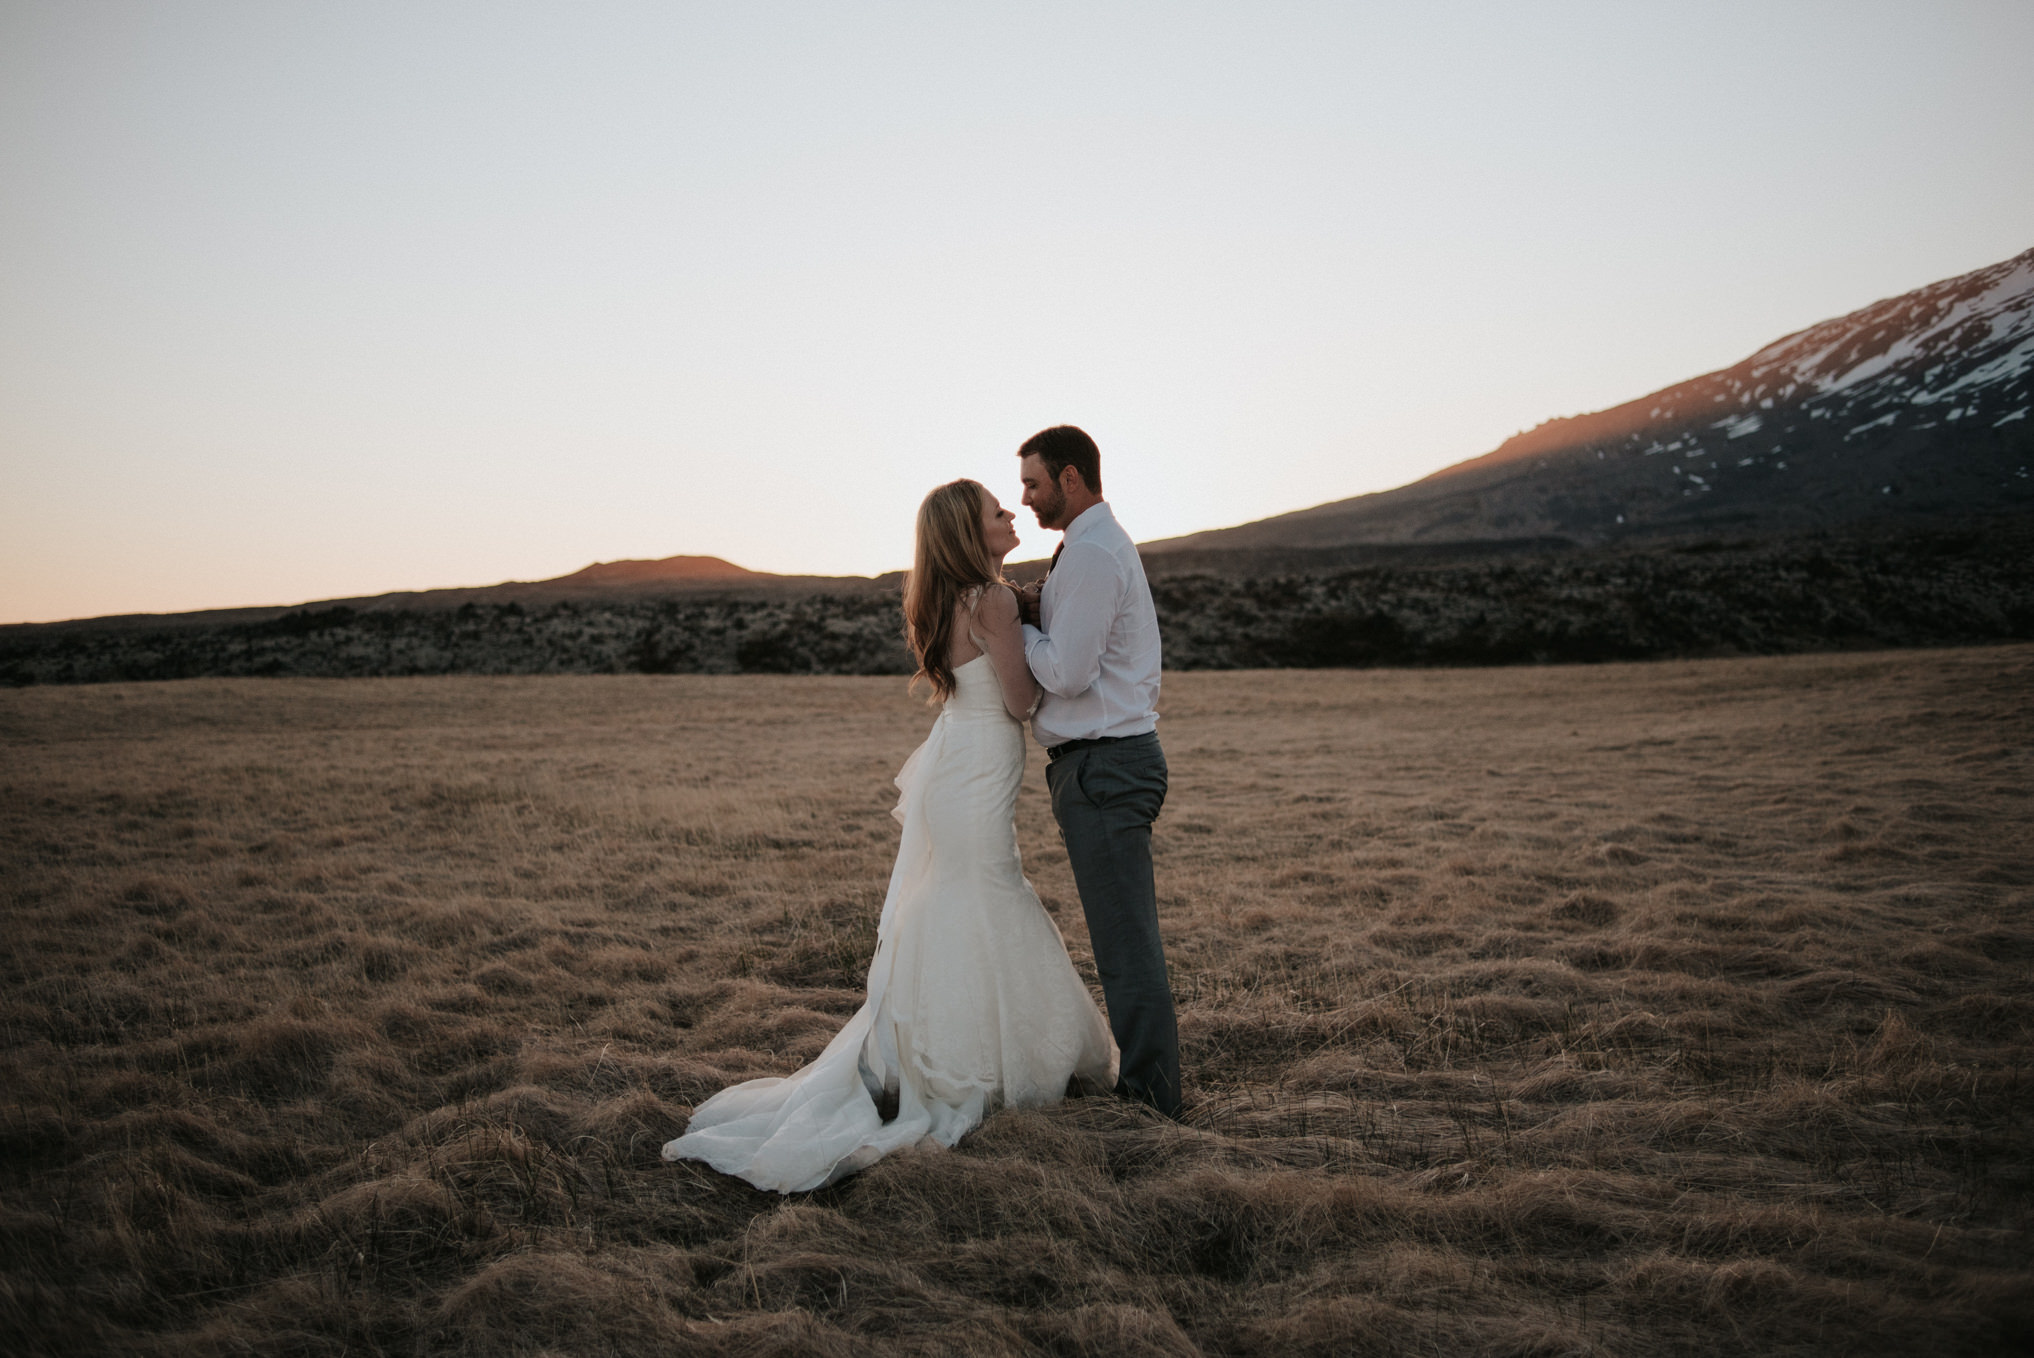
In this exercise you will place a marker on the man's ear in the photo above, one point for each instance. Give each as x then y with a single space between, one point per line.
1070 479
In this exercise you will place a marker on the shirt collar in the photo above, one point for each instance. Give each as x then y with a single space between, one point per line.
1091 518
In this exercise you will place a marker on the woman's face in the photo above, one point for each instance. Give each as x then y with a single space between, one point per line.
999 527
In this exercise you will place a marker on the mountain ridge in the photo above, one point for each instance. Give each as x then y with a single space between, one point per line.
1914 404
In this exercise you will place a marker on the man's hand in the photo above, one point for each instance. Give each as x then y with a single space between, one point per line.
1027 602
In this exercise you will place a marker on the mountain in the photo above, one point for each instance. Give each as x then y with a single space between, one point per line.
1921 405
1865 481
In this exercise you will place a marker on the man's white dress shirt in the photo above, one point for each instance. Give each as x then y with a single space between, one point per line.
1096 655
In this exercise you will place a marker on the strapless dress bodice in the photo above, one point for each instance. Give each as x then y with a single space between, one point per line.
978 693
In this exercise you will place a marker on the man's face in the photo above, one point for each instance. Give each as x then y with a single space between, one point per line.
1041 493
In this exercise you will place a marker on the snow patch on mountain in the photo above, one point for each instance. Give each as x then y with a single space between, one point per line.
1981 323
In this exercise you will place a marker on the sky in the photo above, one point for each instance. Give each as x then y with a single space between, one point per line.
320 299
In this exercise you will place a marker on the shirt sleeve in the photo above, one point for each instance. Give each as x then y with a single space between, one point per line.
1068 660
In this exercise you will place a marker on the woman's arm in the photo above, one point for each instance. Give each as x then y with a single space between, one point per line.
1003 637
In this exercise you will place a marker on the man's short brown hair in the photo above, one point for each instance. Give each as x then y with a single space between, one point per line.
1064 446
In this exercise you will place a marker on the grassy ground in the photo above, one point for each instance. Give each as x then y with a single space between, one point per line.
1669 1009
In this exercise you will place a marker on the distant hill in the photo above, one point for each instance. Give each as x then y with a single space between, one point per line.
603 581
1914 586
1918 406
665 568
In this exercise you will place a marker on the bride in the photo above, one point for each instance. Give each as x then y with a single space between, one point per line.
972 1003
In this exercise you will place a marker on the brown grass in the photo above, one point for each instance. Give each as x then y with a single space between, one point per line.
1673 1009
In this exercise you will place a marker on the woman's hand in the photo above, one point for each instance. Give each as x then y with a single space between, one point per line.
1027 602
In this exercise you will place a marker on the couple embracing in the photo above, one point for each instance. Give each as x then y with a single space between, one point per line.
972 1002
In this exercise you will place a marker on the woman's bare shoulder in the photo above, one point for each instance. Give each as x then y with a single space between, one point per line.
998 606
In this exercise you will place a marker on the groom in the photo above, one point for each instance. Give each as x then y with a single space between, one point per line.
1091 637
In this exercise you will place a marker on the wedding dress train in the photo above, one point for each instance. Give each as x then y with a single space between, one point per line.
972 1003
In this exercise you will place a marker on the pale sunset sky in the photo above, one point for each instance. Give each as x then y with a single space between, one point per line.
314 299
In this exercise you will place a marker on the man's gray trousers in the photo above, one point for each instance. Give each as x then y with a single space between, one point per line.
1105 797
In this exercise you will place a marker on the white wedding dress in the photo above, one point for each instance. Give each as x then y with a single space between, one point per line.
972 1002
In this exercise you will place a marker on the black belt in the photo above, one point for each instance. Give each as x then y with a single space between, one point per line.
1053 752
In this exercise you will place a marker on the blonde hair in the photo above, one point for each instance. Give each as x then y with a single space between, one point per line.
951 558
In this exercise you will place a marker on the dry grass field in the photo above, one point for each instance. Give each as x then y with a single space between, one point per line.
1683 1008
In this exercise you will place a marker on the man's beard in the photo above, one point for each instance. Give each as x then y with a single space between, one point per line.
1049 511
